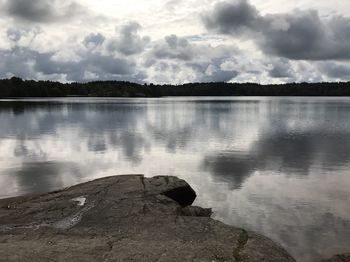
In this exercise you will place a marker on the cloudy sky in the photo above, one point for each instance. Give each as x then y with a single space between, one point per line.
176 41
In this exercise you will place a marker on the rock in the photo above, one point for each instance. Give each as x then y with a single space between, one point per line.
339 258
192 211
124 218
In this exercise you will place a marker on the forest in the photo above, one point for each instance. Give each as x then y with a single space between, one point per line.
16 87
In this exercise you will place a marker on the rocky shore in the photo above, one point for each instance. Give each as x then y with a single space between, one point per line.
124 218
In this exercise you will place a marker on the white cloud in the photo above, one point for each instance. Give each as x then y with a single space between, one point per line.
150 40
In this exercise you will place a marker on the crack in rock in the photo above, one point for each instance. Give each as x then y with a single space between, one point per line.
241 242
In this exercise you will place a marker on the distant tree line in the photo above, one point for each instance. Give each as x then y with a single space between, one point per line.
16 87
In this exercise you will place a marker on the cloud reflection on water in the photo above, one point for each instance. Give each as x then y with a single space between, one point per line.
277 166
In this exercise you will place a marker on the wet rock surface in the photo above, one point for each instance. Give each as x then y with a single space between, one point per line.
124 218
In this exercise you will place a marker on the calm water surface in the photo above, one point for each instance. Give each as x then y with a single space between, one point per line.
278 166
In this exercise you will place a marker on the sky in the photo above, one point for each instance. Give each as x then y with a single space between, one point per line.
175 41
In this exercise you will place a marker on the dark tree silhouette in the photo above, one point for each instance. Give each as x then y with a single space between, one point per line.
16 87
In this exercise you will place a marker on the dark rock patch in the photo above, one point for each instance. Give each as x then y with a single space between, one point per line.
184 196
339 258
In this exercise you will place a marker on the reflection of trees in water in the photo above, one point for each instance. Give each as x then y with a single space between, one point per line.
185 124
128 126
99 125
132 127
49 117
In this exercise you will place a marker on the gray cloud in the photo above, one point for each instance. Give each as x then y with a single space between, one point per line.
174 47
281 68
176 60
172 4
212 72
35 65
231 17
299 35
10 59
129 42
93 40
218 75
94 62
14 34
292 46
111 65
17 34
335 70
42 10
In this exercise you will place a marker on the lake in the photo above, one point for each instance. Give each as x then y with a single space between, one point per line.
277 166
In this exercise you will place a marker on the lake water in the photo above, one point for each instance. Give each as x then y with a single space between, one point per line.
278 166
